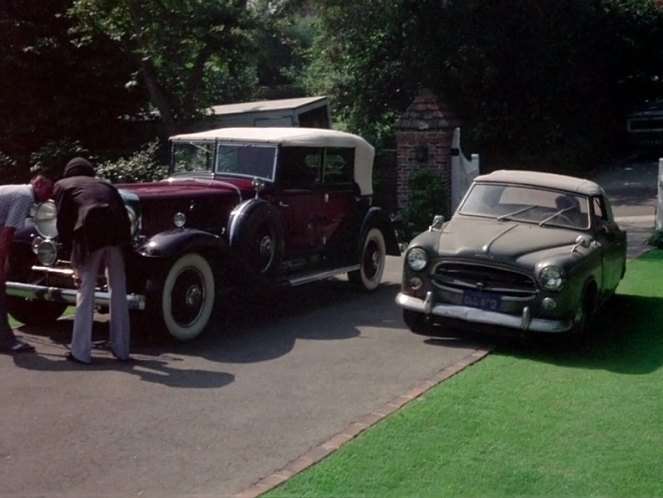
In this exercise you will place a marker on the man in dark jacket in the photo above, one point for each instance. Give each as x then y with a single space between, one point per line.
93 225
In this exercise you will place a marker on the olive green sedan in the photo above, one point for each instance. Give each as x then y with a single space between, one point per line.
525 251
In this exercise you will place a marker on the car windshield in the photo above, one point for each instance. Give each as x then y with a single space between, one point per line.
193 157
248 160
527 204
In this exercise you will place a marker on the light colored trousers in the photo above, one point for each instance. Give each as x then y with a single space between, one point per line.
81 341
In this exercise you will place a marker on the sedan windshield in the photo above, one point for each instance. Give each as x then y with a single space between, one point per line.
527 204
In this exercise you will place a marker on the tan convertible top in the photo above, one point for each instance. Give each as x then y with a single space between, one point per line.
297 137
545 180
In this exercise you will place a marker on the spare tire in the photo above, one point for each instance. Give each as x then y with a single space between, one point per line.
256 235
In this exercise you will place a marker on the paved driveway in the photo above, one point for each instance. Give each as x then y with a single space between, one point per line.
214 416
632 187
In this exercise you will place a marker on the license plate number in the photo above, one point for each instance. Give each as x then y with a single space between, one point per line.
483 300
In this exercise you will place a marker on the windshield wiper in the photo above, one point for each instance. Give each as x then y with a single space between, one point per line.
514 213
554 215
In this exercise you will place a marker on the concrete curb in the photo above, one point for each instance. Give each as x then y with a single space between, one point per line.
322 451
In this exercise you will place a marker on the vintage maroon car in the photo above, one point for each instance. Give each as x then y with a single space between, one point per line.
242 206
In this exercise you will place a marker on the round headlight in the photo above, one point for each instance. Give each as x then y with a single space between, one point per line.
45 219
47 252
179 219
552 278
417 258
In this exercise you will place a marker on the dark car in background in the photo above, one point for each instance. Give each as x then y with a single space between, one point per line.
645 127
525 251
268 207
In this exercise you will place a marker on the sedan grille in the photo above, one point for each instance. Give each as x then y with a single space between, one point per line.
467 276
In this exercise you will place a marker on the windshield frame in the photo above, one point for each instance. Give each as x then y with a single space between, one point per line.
204 158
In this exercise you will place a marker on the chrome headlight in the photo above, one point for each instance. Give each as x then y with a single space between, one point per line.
417 258
45 219
552 278
46 251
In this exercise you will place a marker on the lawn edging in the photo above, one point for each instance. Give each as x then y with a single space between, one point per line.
334 443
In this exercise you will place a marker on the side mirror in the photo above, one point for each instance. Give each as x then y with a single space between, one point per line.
438 221
583 241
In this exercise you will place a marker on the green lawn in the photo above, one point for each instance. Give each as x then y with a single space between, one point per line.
533 418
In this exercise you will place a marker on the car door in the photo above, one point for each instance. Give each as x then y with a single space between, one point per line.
341 197
300 199
612 240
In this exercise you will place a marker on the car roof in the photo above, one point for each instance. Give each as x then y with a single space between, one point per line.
297 137
539 179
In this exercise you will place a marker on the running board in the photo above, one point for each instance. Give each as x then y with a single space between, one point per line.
307 278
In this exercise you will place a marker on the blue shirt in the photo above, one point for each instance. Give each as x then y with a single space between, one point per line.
16 201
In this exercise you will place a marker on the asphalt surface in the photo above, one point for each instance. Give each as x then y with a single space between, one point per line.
631 185
279 381
214 416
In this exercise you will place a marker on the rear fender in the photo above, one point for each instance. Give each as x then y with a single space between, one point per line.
378 218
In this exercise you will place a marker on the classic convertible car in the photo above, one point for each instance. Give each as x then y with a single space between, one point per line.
274 207
526 251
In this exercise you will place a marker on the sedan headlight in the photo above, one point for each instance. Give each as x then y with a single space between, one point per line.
552 278
417 258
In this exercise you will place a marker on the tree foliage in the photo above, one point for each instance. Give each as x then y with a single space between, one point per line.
531 80
52 90
526 77
191 53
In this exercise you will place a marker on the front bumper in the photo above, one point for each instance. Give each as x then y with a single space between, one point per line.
68 296
524 322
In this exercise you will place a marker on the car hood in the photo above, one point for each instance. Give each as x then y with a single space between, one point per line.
187 188
504 240
206 203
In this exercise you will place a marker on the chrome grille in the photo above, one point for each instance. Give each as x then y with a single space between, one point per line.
465 276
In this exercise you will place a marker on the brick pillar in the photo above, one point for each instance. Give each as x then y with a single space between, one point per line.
423 137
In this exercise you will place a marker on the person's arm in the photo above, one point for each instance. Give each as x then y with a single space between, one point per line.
6 236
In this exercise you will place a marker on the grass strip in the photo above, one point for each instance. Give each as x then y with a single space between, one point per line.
535 418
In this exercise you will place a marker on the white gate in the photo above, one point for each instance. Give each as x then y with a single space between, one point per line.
463 170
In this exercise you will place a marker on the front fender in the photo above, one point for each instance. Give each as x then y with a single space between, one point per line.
178 241
378 218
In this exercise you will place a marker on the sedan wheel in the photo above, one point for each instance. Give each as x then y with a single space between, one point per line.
417 322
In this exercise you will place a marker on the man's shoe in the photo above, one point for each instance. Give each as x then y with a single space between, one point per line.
72 358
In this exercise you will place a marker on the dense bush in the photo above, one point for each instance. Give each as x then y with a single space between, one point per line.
143 166
428 198
51 158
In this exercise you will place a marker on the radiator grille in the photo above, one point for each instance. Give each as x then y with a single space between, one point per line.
464 276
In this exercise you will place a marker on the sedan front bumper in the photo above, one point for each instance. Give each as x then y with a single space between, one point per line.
524 322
